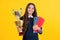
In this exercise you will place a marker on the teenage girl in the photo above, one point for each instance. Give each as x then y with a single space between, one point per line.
28 26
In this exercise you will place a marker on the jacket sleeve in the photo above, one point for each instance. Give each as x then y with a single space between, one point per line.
40 31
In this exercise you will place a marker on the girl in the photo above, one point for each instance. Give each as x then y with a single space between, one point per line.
28 26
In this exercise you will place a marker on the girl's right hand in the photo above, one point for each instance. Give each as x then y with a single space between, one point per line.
19 29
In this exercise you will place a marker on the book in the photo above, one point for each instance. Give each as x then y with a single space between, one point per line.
38 21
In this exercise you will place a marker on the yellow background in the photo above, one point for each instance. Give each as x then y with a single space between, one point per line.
48 9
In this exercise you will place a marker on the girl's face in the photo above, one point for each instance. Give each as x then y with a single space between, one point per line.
30 9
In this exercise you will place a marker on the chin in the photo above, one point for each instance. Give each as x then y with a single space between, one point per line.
30 12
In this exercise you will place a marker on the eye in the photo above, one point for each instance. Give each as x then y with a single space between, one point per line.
29 7
33 8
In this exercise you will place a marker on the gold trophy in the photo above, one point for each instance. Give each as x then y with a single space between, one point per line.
19 22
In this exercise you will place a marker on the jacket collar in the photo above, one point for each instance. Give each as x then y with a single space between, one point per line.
30 16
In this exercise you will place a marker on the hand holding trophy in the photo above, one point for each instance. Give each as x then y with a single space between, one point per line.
19 22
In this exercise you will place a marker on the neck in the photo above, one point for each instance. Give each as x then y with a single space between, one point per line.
29 14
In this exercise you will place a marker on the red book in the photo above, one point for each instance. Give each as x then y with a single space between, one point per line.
39 22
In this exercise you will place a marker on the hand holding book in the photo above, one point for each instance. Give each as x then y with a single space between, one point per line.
38 22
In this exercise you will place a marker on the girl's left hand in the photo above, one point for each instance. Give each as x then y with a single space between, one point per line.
35 27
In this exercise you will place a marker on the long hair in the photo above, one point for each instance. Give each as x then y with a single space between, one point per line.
25 16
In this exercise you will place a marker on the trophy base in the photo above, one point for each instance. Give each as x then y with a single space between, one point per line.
20 33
